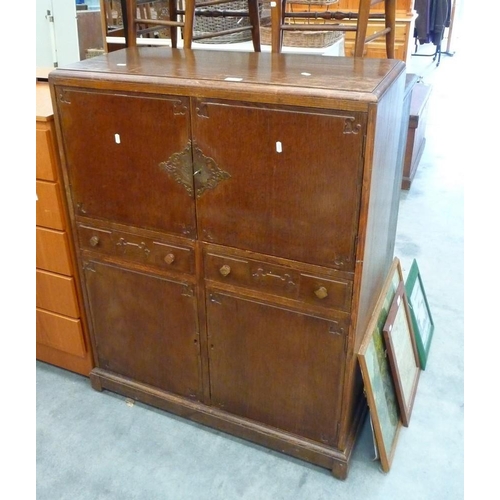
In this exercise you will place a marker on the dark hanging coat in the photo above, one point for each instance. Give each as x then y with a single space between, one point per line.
433 17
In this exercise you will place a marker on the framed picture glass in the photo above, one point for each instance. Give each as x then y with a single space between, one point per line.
423 324
402 353
376 372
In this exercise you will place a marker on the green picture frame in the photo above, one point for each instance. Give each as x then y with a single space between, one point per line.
421 317
379 386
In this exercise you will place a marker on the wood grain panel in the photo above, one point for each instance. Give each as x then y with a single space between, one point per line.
45 156
49 206
52 251
56 293
60 332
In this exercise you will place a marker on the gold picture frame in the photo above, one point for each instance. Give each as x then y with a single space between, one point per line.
376 372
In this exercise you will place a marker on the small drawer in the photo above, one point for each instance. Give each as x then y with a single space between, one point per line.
332 293
52 251
134 248
49 208
56 293
92 238
280 280
60 332
273 279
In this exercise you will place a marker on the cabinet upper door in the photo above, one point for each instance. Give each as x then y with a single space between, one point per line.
128 158
282 181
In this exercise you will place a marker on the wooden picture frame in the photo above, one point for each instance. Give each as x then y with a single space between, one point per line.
376 372
402 353
423 324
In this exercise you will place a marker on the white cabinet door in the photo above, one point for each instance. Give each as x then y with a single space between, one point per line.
56 33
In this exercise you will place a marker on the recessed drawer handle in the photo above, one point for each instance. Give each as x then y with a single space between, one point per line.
225 270
321 292
169 258
94 241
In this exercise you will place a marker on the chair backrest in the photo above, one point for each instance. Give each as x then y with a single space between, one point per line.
139 22
281 18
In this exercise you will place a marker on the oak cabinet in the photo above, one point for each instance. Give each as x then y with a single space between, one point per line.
234 222
62 337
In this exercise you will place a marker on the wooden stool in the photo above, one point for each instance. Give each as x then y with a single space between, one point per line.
279 15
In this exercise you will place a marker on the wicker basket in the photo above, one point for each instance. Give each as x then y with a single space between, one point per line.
205 25
306 39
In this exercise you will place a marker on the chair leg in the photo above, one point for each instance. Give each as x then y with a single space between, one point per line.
189 23
363 15
277 16
128 6
390 22
174 16
253 12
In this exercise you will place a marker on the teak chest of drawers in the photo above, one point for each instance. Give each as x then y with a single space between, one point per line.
235 215
62 338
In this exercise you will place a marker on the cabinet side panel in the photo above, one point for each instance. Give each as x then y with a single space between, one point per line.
381 195
378 223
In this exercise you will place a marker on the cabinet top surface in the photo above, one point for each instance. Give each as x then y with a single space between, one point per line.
44 110
232 72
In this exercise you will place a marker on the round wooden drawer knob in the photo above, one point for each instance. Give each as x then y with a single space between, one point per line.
225 270
321 292
169 258
94 241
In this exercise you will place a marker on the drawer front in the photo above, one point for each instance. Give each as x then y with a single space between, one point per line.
56 293
134 248
327 292
60 332
279 280
49 208
271 279
52 251
45 155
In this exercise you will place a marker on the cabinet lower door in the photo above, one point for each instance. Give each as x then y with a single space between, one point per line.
275 366
145 327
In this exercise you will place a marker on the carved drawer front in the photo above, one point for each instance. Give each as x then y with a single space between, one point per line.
134 248
49 205
279 280
267 278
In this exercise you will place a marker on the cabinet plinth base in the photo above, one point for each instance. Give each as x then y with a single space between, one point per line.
316 453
